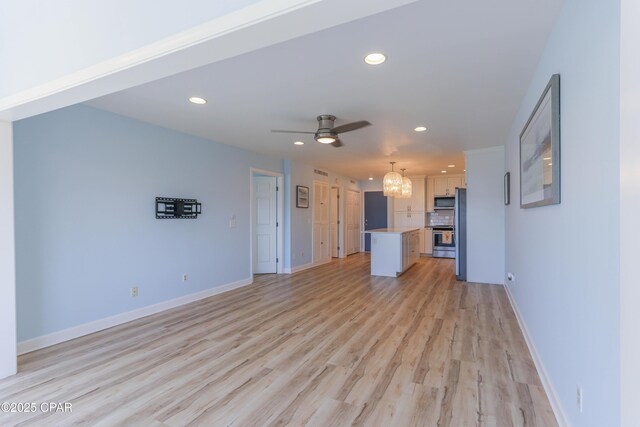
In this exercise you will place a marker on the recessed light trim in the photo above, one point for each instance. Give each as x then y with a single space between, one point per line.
197 100
375 58
370 178
451 166
420 129
443 171
298 143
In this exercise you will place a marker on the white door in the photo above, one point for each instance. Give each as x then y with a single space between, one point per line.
264 224
353 222
335 222
321 226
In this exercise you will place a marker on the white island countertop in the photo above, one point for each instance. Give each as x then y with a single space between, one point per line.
394 230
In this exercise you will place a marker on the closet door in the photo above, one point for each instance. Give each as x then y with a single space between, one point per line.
321 222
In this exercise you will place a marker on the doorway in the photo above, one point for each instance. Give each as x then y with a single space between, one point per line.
375 214
266 222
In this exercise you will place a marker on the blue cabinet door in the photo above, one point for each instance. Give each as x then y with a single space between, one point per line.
375 214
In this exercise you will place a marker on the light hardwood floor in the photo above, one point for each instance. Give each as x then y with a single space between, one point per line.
330 346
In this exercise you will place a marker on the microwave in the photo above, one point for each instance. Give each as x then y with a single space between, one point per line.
447 202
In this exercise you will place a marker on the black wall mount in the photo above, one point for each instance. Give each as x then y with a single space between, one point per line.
172 208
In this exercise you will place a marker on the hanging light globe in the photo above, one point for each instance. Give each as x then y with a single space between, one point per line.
406 186
392 183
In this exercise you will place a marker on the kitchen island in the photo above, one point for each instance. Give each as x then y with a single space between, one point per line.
393 250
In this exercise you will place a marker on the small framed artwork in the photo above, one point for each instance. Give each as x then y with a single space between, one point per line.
507 188
302 196
540 151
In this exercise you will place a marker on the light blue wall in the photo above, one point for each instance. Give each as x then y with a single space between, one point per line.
86 233
566 257
485 215
301 219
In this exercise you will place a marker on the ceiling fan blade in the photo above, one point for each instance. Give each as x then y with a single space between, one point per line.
291 131
337 143
351 126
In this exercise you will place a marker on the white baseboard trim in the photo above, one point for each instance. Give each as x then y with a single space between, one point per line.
43 341
556 405
303 267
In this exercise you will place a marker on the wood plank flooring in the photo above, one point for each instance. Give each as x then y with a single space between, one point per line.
330 346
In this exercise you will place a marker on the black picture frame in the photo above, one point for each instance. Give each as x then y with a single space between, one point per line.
540 150
507 188
302 197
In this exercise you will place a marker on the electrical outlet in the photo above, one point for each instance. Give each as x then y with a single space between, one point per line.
134 291
233 223
579 397
185 277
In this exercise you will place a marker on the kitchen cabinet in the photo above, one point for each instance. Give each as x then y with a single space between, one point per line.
446 185
428 241
393 250
429 193
416 202
411 220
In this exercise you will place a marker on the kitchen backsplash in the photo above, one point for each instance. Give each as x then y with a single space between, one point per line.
440 217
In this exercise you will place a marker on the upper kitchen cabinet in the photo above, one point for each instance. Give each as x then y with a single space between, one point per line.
429 192
446 185
416 202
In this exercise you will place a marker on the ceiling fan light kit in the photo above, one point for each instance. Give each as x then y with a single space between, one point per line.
392 183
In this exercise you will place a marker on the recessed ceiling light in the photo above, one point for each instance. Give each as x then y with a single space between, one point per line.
375 58
370 178
465 170
443 171
451 166
298 143
547 158
197 100
420 129
550 164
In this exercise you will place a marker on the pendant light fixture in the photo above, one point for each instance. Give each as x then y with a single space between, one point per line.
392 183
406 186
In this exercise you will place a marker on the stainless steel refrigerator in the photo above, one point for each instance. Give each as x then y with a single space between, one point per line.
460 218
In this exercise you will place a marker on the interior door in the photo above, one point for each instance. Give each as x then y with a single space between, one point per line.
375 214
264 224
335 222
321 222
353 222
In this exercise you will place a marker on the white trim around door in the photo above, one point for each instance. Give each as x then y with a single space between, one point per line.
279 215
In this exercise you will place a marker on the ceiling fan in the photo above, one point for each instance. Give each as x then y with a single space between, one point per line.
327 133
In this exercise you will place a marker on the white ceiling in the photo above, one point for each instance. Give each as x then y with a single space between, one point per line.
460 68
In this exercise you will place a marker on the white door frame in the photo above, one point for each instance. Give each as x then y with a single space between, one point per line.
340 222
279 217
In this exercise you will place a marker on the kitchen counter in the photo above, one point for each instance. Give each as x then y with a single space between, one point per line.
395 230
393 250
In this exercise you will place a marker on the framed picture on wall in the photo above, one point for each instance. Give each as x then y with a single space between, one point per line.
302 196
540 150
